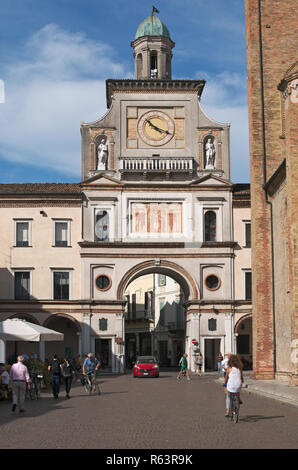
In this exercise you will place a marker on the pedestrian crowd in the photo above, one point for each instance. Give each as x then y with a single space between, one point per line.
16 379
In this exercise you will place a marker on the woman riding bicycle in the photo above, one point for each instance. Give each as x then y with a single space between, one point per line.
233 380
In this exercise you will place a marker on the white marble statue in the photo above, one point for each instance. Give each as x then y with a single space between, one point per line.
102 155
210 155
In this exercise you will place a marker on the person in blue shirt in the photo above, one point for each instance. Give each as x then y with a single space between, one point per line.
90 364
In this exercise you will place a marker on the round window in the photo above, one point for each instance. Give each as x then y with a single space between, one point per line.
103 282
212 282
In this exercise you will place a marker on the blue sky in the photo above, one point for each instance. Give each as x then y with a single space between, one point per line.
55 58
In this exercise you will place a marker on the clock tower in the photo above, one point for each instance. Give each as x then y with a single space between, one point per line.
157 198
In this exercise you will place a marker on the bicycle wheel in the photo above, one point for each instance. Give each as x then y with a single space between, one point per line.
235 408
97 391
38 389
32 392
87 387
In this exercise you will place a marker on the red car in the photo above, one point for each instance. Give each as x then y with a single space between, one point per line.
146 366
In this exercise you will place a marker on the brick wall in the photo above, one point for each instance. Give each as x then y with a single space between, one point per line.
279 40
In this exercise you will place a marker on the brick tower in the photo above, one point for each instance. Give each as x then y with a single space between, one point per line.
272 43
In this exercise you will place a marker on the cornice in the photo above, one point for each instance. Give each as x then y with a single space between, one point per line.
152 85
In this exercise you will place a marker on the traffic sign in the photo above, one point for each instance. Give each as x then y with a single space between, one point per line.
194 341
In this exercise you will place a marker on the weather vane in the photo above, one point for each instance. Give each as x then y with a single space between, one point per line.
154 10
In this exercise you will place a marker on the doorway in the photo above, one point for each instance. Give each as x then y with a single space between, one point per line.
103 351
212 348
163 353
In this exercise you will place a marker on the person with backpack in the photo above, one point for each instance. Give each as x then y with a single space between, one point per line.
67 370
55 369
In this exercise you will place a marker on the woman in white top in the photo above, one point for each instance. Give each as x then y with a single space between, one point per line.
233 380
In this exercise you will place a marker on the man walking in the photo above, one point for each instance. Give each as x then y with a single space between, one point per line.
19 376
54 367
183 367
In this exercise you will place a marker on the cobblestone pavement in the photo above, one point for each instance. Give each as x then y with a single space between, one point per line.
148 413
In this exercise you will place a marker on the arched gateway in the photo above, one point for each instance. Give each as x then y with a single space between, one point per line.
166 268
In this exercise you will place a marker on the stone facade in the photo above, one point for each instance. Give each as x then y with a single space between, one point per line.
272 100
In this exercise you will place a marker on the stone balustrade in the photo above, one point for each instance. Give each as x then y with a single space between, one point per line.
156 164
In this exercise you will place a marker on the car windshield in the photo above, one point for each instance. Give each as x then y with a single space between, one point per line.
146 359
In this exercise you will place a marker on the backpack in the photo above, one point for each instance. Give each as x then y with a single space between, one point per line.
55 368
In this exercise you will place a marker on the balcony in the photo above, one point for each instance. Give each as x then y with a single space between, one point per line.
156 165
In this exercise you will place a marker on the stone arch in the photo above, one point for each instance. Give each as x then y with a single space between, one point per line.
25 316
70 327
62 315
245 317
168 268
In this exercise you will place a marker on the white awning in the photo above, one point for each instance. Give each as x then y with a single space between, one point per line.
15 329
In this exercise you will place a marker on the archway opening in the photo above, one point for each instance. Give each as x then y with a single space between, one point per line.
139 63
68 348
243 332
155 316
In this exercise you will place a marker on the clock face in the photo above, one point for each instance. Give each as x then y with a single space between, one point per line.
156 128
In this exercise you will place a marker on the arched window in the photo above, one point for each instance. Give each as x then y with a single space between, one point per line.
101 226
139 65
153 64
210 226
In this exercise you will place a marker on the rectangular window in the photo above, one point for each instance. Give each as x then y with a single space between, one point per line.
148 303
161 280
22 234
101 226
162 311
22 285
248 290
134 306
61 285
61 234
247 235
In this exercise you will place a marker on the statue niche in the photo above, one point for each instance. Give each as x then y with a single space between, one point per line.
102 152
209 153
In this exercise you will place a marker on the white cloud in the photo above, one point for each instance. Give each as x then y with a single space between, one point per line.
58 83
224 99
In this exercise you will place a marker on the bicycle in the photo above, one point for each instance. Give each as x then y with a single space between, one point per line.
89 383
235 406
184 374
35 385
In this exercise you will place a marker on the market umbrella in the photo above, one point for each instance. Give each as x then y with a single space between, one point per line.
15 329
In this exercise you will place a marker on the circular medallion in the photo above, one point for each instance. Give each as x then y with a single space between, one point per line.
103 282
156 128
212 282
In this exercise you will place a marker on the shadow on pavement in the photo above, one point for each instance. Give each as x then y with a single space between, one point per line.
255 418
